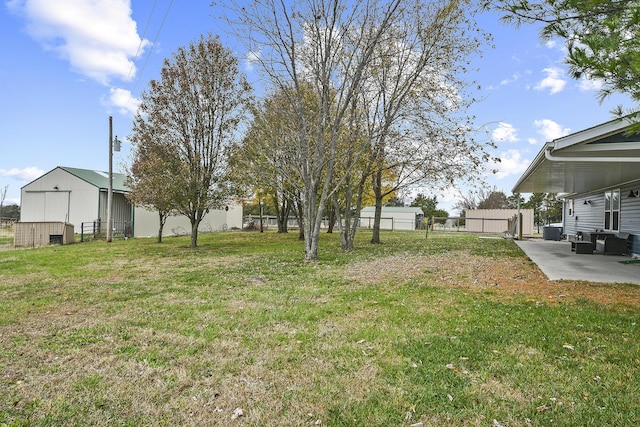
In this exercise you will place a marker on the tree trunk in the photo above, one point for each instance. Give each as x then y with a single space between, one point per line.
331 218
195 222
282 213
163 219
377 190
298 211
312 210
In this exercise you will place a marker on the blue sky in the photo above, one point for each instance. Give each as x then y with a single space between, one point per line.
70 64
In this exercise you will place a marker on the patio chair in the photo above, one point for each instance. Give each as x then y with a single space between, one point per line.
614 245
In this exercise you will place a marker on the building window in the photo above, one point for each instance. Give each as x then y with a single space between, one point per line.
612 210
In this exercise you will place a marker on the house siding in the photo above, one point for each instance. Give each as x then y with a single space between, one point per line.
630 215
583 218
590 217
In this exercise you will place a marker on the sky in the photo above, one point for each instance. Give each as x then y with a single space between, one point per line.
68 65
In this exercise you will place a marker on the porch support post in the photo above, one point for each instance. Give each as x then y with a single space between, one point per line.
519 219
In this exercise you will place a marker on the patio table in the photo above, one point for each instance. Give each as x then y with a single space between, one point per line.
582 247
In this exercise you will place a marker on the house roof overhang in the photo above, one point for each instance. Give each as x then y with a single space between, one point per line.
590 160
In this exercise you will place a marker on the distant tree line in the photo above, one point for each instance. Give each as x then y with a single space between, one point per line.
10 212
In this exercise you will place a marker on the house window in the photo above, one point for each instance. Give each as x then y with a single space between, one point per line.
612 210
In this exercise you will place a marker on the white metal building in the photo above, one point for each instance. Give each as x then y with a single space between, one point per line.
497 220
78 196
393 217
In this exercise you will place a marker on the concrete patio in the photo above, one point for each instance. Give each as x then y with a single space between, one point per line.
558 262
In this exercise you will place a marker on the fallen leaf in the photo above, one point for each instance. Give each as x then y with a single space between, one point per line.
237 413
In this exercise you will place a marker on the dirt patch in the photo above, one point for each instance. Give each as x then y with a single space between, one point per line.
478 273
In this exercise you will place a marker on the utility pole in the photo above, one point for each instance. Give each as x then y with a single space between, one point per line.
110 190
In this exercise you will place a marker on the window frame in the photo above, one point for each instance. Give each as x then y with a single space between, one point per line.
612 210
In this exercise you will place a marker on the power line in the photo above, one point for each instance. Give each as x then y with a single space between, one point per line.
144 65
144 33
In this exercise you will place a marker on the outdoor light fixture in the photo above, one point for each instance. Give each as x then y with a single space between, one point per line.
587 202
55 188
635 193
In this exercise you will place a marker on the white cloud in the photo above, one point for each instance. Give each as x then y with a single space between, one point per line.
27 174
122 99
251 58
588 85
98 38
511 164
505 132
549 129
555 80
514 78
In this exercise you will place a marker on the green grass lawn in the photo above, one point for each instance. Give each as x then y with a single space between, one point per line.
137 333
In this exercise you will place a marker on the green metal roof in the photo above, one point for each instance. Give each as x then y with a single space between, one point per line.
98 178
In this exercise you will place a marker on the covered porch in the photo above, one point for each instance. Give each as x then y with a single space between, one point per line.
597 173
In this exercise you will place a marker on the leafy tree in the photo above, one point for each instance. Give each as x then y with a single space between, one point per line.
513 200
482 198
602 37
536 202
395 201
147 175
429 207
190 116
424 202
494 200
11 211
264 161
553 208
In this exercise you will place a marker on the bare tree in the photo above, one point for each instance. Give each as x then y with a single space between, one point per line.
388 56
192 113
419 128
3 196
327 45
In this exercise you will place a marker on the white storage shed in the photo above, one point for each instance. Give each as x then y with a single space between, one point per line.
393 217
